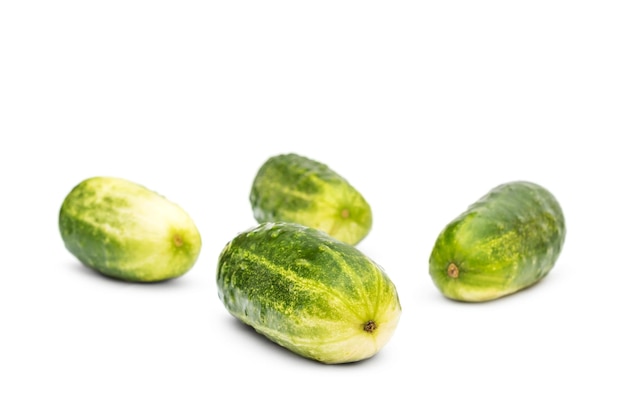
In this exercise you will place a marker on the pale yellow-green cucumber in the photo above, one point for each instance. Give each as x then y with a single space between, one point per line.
126 231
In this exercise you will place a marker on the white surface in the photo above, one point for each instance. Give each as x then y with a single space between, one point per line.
423 106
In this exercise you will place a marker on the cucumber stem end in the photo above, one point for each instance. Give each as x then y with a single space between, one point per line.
370 326
453 271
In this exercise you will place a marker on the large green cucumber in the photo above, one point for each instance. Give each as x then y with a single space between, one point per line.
314 295
127 231
504 242
293 188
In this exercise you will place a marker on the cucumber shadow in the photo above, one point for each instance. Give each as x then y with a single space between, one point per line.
83 269
258 340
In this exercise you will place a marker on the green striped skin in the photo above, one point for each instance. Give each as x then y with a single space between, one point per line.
127 231
293 188
314 295
506 241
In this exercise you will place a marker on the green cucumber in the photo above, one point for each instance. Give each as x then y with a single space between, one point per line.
128 232
293 188
506 241
308 292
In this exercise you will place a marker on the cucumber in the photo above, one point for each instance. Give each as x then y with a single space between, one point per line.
308 292
506 241
126 231
293 188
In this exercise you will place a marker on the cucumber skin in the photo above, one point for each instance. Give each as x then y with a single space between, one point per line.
506 241
293 188
308 292
126 231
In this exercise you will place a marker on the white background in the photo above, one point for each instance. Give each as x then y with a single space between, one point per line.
422 106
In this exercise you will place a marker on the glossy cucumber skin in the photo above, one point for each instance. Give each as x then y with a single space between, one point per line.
128 232
314 295
293 188
506 241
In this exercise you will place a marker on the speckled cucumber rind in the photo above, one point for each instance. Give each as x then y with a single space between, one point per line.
293 188
506 241
314 295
